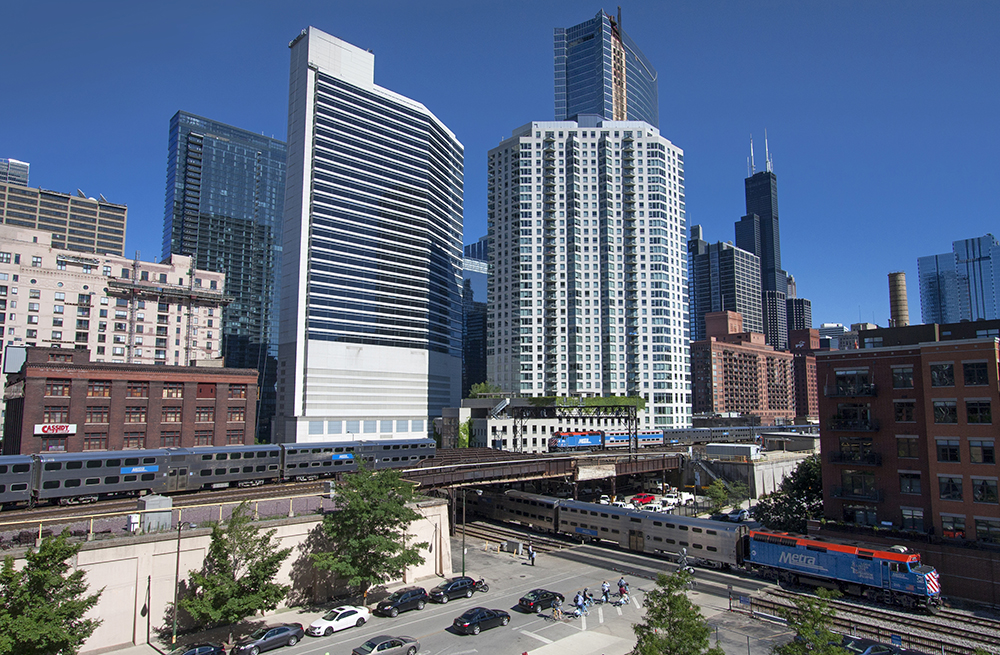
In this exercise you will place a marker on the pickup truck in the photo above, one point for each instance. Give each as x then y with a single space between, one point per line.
678 498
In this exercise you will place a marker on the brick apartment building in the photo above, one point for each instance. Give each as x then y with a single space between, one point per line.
62 401
804 344
907 433
735 372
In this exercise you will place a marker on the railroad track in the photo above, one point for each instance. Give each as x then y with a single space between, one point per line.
493 533
949 632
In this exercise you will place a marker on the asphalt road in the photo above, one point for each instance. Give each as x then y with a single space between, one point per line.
606 631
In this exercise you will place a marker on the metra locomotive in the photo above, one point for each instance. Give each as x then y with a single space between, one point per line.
70 478
893 576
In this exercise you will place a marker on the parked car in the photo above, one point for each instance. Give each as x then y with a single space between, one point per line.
719 517
642 499
653 507
538 599
338 619
269 638
604 500
199 649
386 645
622 504
480 618
453 588
407 598
738 515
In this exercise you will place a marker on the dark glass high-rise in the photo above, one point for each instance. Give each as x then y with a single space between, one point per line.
224 201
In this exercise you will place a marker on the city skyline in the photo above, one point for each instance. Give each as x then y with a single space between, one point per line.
858 100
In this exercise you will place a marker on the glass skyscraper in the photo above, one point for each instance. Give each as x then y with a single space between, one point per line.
961 285
370 342
224 200
722 277
13 171
757 232
599 70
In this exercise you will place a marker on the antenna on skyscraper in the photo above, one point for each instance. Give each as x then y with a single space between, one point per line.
767 154
753 167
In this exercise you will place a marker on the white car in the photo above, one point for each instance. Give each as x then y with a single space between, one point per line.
622 504
347 616
604 500
652 507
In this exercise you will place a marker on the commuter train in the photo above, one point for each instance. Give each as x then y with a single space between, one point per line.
575 440
894 576
71 478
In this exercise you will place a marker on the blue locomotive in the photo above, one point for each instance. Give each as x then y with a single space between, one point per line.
893 577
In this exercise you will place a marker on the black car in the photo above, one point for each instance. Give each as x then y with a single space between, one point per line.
199 649
480 618
401 600
268 638
453 588
861 646
538 599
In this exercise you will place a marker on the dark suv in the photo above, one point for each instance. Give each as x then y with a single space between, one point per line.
453 588
401 600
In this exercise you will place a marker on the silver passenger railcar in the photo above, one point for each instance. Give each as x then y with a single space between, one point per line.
218 467
15 479
716 543
71 478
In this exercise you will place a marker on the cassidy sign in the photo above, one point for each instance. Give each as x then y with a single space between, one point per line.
55 428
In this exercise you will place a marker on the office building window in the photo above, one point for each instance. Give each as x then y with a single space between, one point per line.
99 388
95 441
975 374
945 411
170 439
984 490
135 414
942 375
137 390
97 414
171 415
237 414
57 387
203 414
982 452
237 391
203 437
234 437
947 450
134 441
988 530
913 519
950 487
53 444
173 389
905 412
978 411
906 447
55 414
953 527
909 483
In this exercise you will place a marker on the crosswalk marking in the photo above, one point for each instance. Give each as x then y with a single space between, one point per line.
538 637
600 615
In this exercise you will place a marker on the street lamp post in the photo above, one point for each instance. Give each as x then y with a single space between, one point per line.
177 576
463 532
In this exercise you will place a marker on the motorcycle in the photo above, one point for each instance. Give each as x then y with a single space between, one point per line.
480 585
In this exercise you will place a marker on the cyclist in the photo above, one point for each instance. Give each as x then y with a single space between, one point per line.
557 613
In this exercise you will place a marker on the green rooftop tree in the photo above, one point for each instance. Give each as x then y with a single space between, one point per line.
368 531
43 604
800 497
237 578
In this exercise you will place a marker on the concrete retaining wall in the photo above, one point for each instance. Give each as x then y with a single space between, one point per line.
138 573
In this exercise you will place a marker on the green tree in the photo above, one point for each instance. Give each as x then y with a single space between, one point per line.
673 624
811 620
465 434
799 498
718 495
368 532
237 578
738 492
43 604
483 389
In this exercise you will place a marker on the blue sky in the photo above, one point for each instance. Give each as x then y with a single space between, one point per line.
881 116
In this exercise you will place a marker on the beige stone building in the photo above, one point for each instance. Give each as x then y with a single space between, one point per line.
124 311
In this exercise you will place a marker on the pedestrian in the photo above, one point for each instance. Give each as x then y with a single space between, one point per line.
531 554
605 591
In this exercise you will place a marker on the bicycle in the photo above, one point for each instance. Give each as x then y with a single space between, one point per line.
557 613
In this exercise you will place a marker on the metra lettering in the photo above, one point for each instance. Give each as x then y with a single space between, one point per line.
798 559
